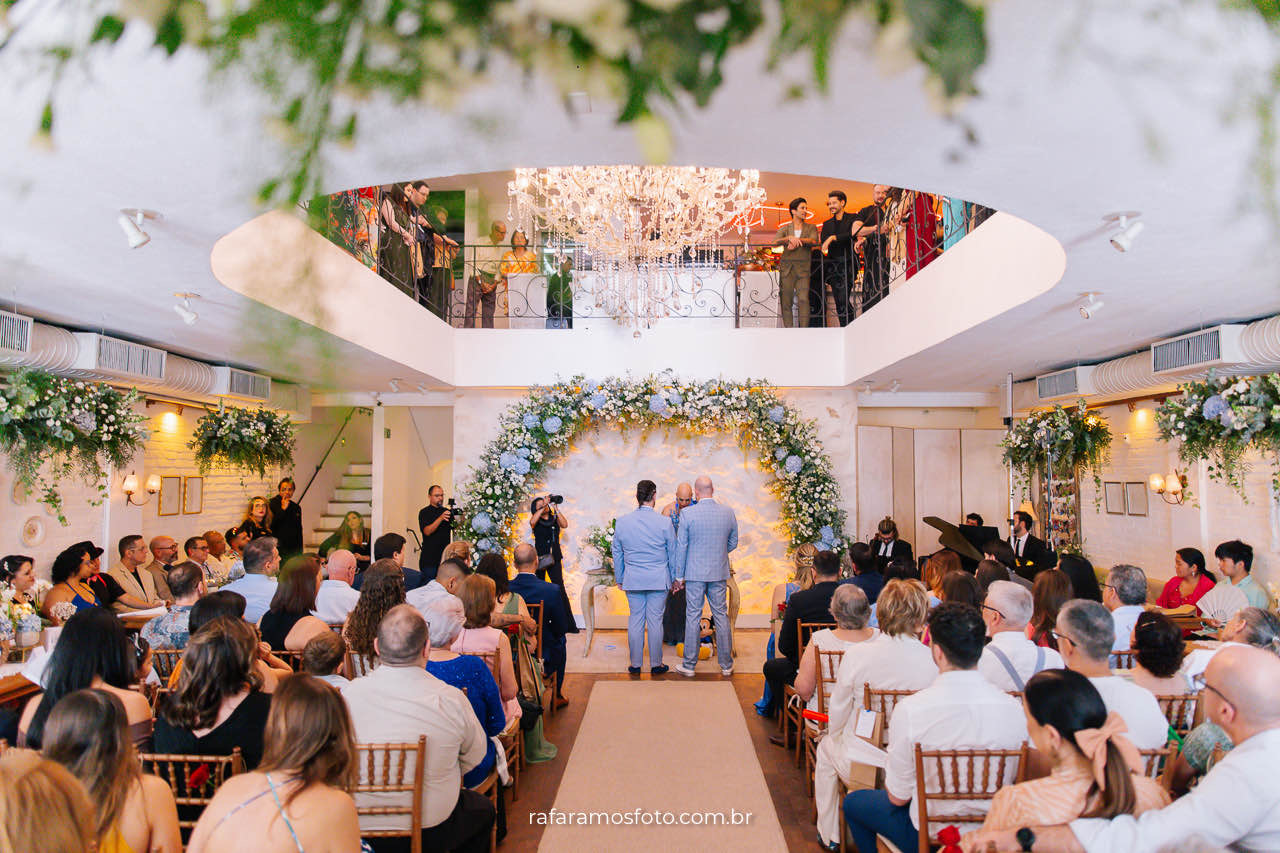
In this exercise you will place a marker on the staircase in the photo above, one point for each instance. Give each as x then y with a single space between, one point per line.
354 494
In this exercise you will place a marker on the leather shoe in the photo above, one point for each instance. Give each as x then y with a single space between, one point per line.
778 740
633 670
660 669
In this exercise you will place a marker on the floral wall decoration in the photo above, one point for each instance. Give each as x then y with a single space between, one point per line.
52 429
1073 438
536 433
252 440
1221 419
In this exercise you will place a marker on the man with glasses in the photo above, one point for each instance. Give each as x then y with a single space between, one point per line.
1010 659
1236 805
197 551
165 552
1124 594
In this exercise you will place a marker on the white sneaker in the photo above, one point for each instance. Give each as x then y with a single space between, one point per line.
726 672
685 669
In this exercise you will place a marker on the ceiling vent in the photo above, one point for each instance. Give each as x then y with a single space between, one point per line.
15 334
117 359
233 382
1198 351
1073 382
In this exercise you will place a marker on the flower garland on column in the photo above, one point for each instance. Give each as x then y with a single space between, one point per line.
535 433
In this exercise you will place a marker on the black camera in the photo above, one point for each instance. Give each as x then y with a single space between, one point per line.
556 499
453 506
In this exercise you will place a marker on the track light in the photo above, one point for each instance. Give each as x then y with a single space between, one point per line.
1129 228
894 386
183 308
1090 306
131 219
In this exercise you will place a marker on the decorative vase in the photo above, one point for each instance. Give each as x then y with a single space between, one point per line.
27 639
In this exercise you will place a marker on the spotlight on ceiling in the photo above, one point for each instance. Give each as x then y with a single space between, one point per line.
1129 227
894 386
183 308
131 219
395 385
1090 305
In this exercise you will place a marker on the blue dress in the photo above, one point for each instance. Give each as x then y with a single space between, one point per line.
762 707
473 673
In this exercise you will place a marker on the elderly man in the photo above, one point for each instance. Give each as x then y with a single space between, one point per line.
164 550
673 612
1236 806
169 630
1084 631
335 599
1010 659
448 575
708 532
1124 594
555 621
258 586
644 554
197 550
399 702
132 575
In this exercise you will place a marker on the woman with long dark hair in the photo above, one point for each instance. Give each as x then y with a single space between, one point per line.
288 623
510 607
1097 772
1190 581
1051 590
17 571
1084 583
352 536
257 518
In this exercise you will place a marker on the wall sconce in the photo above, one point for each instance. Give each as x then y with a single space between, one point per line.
130 488
1171 487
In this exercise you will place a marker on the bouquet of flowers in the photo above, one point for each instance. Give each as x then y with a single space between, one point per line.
61 612
601 540
252 440
1069 437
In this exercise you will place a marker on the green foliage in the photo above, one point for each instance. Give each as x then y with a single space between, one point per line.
1071 438
252 440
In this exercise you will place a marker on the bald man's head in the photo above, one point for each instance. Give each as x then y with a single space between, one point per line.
703 487
526 558
1243 691
402 637
684 491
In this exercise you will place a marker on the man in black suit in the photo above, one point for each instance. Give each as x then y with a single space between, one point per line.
805 605
1032 556
887 546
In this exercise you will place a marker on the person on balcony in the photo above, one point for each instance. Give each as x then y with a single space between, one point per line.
796 240
486 275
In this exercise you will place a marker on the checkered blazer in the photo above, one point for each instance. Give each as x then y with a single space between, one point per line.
708 532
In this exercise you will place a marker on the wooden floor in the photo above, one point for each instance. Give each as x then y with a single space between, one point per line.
539 783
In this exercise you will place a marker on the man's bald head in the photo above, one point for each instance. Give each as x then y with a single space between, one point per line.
526 558
704 487
684 492
164 549
402 637
1243 691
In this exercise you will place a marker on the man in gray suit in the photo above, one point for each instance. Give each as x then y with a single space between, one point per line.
708 532
644 558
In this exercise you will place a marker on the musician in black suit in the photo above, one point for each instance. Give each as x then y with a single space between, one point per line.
1031 554
887 546
805 605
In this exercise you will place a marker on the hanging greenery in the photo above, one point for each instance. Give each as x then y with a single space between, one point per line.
53 429
1073 438
251 440
1220 420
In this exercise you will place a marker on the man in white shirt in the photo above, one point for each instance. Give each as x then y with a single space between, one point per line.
1236 805
400 701
1124 594
1084 631
448 576
960 710
335 599
1010 659
258 586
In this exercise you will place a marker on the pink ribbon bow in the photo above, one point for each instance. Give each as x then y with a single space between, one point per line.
1093 743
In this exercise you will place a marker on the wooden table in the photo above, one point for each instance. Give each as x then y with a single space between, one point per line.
15 689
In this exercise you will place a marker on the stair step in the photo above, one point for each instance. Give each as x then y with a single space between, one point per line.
331 522
360 469
345 495
340 508
356 481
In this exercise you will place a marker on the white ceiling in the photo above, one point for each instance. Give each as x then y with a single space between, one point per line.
1086 109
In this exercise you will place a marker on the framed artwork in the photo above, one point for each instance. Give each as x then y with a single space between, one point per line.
192 495
170 496
1113 494
1135 498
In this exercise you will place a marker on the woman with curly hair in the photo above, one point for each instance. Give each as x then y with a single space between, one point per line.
383 589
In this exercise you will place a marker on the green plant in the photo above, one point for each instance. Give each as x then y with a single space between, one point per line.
1072 438
252 440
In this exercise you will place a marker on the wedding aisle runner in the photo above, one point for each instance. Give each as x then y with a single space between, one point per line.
679 749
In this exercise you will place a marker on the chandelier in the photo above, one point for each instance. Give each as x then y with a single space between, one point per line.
639 225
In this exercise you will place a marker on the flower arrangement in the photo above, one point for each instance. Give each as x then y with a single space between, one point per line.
252 440
1220 419
52 429
601 539
536 432
1073 437
61 612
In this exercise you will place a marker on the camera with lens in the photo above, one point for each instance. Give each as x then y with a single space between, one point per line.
556 499
454 509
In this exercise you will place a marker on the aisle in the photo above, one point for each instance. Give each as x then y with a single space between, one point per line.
675 748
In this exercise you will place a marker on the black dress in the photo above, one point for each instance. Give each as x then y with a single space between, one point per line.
243 728
546 540
275 626
286 526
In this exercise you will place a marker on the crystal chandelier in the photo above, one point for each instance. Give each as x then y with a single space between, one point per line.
639 224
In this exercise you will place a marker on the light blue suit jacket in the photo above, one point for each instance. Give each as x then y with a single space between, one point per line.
708 532
644 550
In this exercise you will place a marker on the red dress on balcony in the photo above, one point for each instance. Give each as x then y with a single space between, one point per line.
921 225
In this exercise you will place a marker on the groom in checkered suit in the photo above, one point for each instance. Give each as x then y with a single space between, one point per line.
708 532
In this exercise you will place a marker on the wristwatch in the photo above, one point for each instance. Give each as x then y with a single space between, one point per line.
1026 838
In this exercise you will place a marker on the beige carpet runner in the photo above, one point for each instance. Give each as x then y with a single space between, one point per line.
666 766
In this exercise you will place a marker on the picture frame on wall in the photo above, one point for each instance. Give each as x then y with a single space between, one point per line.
192 495
170 502
1135 498
1113 496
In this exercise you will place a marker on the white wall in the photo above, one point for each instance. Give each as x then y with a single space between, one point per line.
417 453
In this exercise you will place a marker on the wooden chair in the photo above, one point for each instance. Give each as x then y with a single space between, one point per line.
961 775
828 664
491 790
512 739
194 779
547 699
882 702
163 661
360 665
1123 660
1158 764
792 704
1182 710
294 659
386 770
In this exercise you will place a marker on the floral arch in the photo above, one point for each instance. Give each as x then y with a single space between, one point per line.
535 433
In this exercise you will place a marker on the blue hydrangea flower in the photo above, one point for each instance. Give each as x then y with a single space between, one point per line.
1227 419
658 404
793 464
522 466
484 545
598 400
530 421
827 533
780 453
523 452
482 523
1215 407
552 424
776 414
674 397
507 460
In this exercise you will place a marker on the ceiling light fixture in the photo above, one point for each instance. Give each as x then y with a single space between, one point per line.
183 308
395 385
894 386
1129 228
1090 305
131 219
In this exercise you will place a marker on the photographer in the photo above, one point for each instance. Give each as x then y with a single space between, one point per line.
546 520
435 520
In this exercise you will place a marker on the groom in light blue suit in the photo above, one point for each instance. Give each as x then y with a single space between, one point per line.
708 532
644 559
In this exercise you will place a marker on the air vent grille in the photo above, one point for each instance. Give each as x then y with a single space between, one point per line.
1057 384
1218 347
123 357
255 385
15 332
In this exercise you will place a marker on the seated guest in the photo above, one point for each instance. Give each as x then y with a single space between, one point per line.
807 605
1051 590
803 579
41 802
288 623
850 610
170 630
352 536
1124 594
1235 562
1157 661
219 557
1010 659
555 621
258 586
988 572
1187 586
132 573
960 587
297 800
478 637
92 651
197 550
323 657
335 599
901 570
230 604
866 571
894 659
1001 552
400 701
960 710
509 607
886 545
257 518
460 550
1085 639
445 617
448 575
88 733
937 567
164 553
17 572
1084 581
233 559
218 703
1097 772
383 590
76 579
390 546
1236 806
